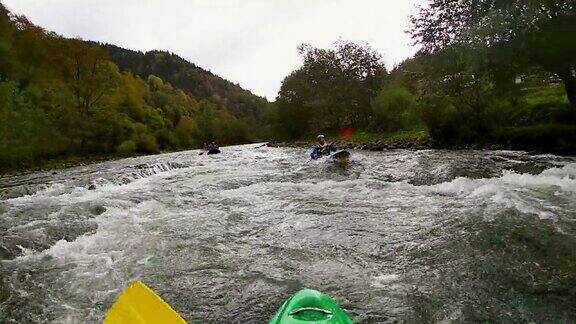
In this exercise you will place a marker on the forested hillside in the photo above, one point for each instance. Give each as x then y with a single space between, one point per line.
194 80
64 98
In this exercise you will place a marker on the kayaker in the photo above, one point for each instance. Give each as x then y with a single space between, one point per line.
213 148
321 148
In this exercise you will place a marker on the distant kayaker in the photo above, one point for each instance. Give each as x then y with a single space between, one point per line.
210 148
213 148
321 148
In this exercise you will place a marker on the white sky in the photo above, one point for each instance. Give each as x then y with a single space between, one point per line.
252 42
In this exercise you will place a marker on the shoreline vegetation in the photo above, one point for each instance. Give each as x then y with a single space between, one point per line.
58 163
475 84
375 142
419 140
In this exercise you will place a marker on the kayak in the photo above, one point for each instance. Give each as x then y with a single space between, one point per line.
213 151
138 304
310 306
341 156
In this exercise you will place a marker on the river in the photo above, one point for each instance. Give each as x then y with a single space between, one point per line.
398 236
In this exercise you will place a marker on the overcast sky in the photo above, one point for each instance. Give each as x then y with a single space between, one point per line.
252 42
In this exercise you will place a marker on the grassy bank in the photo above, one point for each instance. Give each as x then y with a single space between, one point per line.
544 138
414 139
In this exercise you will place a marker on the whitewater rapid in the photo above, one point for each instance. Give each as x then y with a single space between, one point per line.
409 236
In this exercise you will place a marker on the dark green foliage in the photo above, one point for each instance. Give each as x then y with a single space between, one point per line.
24 131
559 137
393 109
126 148
332 90
462 95
509 36
472 53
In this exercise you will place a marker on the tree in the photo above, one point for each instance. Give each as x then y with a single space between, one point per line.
206 122
6 34
394 108
513 34
335 86
90 75
193 80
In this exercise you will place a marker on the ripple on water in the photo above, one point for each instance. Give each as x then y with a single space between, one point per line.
398 236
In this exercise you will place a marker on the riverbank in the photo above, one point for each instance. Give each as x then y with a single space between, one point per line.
56 163
417 140
413 140
514 140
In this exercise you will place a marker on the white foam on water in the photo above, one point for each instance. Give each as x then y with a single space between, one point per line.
106 191
261 195
563 178
513 190
68 192
96 265
385 280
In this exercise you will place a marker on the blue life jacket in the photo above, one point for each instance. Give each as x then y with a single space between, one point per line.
320 151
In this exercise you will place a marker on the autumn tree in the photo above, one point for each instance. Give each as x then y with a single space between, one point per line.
90 75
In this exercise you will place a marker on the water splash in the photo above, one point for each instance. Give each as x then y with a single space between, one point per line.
398 236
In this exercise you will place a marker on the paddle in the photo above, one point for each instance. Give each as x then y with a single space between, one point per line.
138 304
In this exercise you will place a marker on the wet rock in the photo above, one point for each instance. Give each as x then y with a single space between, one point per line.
92 187
5 254
4 294
97 210
69 231
16 192
376 147
12 245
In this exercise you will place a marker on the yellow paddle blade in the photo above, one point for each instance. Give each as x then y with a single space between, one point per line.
138 304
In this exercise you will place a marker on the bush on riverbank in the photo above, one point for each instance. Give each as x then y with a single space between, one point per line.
417 139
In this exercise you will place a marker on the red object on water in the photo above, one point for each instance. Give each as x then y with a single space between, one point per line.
347 132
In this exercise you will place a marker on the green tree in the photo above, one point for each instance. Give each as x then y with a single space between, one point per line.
207 128
512 35
394 108
185 131
332 89
63 96
90 75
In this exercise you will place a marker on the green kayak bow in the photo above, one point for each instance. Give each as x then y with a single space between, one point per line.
310 306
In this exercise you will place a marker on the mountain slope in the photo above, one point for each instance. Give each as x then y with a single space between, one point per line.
194 80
